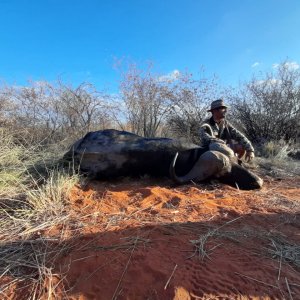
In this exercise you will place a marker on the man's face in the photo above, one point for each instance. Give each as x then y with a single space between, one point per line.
219 113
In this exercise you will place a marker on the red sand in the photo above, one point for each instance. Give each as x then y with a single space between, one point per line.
135 241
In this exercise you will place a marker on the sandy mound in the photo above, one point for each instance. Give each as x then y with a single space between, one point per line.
147 239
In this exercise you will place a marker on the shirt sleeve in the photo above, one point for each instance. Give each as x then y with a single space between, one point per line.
239 137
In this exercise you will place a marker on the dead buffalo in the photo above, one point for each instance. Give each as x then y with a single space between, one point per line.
111 153
215 164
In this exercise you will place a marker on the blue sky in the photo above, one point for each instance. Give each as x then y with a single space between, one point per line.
78 40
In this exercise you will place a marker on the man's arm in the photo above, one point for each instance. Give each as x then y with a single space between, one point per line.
239 137
242 140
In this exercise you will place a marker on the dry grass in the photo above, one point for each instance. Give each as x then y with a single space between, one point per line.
37 208
285 251
275 159
34 191
13 160
201 245
279 168
278 247
277 150
30 264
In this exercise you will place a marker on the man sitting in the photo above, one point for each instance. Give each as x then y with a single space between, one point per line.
218 134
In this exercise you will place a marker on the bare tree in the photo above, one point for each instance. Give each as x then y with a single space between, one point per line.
47 113
30 110
146 99
7 107
191 98
82 108
269 108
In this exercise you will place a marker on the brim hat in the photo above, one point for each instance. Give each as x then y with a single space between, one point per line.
217 104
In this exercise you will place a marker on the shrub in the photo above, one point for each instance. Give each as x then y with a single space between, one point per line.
268 109
275 149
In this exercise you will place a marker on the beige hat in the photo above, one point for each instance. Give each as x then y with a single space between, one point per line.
216 104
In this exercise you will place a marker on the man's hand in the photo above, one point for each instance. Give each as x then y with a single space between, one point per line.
249 156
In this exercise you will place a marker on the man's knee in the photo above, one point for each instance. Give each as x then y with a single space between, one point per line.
216 162
222 148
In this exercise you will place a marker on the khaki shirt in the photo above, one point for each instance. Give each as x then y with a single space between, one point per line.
210 131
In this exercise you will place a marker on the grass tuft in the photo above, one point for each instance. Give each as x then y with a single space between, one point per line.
285 251
34 194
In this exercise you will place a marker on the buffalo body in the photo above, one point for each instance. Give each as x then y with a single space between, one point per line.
111 153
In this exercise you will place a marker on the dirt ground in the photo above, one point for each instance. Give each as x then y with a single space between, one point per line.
148 239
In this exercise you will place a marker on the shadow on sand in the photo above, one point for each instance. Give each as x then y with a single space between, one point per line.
229 258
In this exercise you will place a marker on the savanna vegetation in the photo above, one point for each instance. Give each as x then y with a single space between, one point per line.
40 121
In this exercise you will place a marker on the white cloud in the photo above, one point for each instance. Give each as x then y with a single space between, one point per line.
172 76
256 64
272 81
292 65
